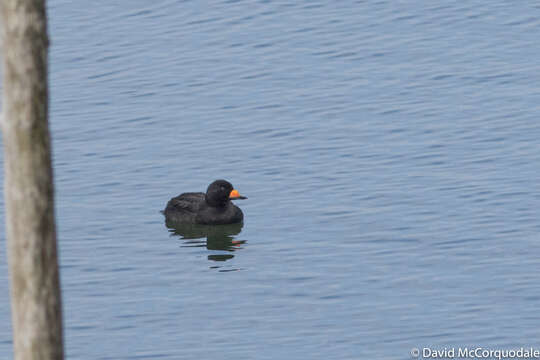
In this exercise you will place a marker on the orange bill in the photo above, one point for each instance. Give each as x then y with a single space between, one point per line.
235 195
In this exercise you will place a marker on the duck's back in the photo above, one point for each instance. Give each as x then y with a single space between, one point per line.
184 208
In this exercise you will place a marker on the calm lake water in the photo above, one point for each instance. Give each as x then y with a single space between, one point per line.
390 152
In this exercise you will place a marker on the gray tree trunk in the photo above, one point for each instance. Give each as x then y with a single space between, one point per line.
28 183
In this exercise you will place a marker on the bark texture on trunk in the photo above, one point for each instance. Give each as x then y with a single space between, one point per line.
28 183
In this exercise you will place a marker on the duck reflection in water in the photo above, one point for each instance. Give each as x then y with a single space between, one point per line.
218 237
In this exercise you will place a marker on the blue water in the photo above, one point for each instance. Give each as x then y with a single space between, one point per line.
390 152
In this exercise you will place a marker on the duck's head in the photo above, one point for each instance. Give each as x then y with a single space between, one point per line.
220 192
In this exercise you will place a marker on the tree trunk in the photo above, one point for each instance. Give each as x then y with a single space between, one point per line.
28 183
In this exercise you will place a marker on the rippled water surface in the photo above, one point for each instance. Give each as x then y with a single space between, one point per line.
390 152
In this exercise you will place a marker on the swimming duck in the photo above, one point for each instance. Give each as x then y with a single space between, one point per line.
213 208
